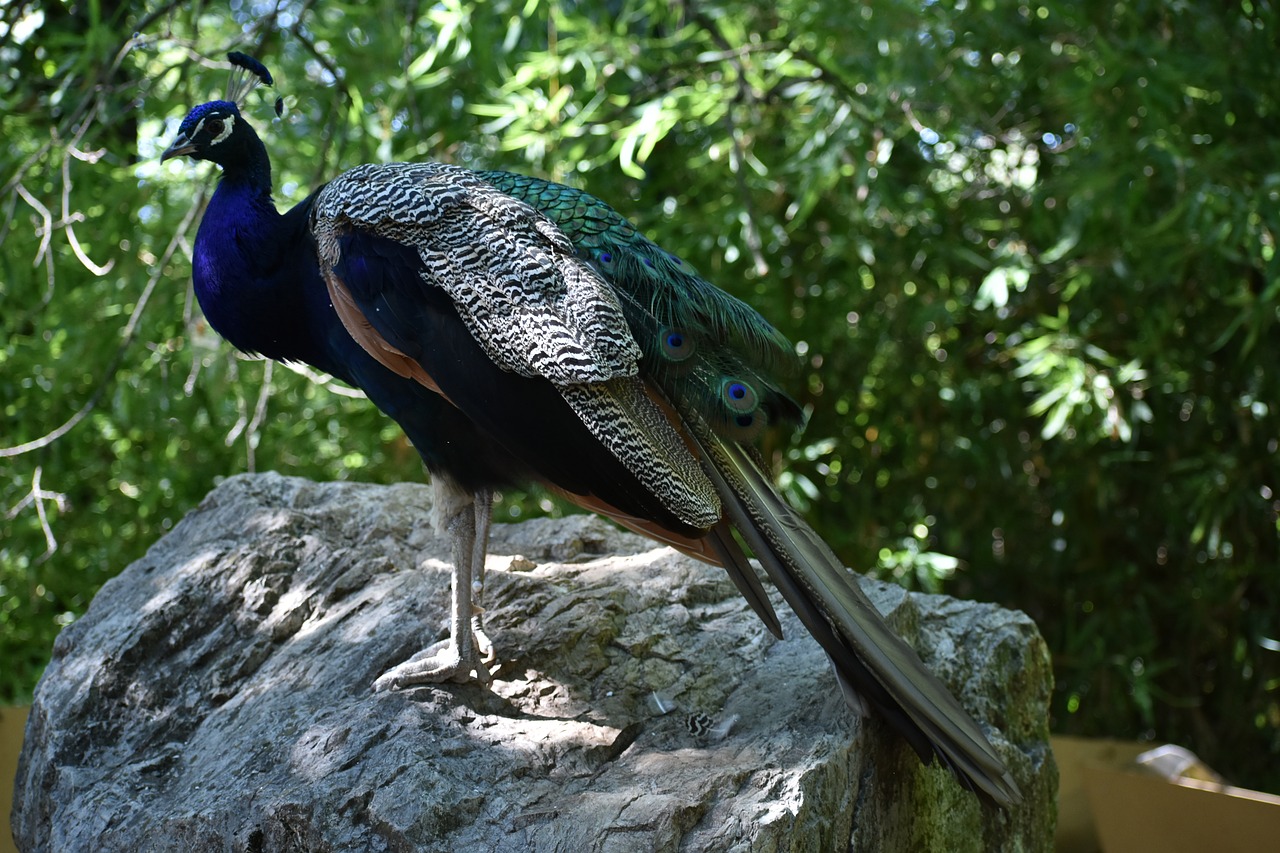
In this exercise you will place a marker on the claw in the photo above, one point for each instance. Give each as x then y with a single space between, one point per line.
483 645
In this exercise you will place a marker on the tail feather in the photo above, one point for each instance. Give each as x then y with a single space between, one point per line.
743 575
871 660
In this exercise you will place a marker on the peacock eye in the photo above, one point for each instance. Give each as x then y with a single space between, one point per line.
739 396
215 127
676 345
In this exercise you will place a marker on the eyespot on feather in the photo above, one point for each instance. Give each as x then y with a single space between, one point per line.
739 396
741 428
676 345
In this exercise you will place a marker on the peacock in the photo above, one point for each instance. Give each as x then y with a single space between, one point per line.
523 332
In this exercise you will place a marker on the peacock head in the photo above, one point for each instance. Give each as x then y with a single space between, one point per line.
216 131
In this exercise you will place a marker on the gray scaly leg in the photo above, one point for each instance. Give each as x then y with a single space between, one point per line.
483 510
465 517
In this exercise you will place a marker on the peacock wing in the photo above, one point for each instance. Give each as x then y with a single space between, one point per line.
530 304
392 239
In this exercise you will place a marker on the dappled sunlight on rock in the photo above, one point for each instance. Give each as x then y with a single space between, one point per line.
221 689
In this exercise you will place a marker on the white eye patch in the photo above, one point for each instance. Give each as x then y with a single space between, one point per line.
228 122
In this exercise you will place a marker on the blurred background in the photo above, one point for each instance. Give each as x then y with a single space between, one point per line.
1026 253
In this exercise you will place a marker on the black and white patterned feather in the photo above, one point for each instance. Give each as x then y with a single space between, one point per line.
534 306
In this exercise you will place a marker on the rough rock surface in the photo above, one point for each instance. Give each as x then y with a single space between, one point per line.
217 697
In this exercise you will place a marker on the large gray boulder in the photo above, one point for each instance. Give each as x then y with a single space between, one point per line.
217 697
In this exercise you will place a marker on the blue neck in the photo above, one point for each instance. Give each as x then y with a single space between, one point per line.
255 270
236 227
229 260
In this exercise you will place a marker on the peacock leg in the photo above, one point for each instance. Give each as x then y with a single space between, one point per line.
483 511
466 649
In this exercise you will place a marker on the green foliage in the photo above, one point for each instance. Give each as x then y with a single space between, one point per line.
1027 254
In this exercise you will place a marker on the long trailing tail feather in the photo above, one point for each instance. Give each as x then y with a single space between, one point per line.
743 575
872 662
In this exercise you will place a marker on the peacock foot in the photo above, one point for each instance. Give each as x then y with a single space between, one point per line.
444 662
440 663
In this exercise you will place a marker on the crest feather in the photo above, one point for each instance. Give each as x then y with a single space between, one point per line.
246 74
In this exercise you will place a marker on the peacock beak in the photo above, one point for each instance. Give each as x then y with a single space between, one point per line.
181 145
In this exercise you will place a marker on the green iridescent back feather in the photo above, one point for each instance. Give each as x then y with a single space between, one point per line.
703 347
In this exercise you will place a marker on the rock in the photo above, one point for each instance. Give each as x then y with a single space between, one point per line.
217 696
